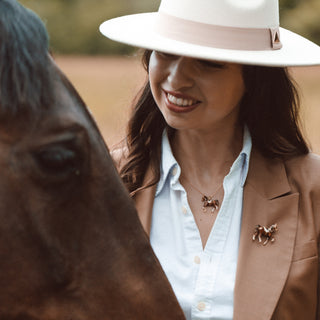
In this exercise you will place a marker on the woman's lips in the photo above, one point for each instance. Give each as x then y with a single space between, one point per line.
180 103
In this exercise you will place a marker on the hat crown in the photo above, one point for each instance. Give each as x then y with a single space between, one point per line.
237 31
230 13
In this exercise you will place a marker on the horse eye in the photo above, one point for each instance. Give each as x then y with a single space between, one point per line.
58 160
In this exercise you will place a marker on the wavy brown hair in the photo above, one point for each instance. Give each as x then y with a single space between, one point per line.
269 107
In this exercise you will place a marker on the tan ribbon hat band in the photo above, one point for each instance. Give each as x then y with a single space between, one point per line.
203 34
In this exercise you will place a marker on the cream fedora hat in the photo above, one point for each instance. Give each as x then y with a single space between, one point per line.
240 31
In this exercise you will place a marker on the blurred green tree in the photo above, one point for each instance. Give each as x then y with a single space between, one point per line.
73 24
302 17
288 4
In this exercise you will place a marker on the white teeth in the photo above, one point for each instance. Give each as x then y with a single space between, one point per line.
173 99
180 102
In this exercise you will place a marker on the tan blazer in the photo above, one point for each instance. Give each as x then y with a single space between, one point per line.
279 281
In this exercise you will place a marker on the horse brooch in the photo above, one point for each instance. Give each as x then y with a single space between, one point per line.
262 231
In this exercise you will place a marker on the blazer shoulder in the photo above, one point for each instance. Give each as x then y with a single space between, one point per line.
305 170
119 155
304 177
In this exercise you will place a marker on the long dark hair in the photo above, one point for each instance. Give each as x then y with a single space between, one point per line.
269 108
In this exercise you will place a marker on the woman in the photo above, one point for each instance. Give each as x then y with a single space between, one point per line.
223 180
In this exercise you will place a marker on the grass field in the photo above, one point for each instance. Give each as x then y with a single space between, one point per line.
108 85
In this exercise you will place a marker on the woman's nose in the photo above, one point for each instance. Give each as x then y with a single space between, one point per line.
181 73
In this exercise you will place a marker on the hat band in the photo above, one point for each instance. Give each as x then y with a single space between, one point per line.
214 36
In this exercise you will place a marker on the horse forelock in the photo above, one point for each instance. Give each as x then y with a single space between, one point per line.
25 68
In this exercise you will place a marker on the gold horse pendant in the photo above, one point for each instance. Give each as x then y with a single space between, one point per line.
209 202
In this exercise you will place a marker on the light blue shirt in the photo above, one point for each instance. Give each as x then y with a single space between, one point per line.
202 279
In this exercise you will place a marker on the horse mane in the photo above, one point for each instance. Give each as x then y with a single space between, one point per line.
26 83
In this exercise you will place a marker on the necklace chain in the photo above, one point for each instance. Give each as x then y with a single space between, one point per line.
207 201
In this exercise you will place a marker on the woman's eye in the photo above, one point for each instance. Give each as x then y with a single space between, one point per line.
165 55
212 64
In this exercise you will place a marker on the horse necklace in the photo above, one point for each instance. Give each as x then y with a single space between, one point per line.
208 201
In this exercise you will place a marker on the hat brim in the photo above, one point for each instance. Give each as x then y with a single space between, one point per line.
138 30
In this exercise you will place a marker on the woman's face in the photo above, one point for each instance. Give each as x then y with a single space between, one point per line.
196 94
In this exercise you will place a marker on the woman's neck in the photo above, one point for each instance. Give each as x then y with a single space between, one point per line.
206 157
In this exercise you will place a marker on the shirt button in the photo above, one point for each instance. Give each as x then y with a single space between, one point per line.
196 260
184 210
201 306
174 171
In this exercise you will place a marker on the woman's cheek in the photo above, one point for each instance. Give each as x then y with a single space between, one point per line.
155 77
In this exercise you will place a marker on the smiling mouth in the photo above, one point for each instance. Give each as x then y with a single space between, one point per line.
180 102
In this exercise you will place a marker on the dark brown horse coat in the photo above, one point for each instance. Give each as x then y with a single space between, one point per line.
71 244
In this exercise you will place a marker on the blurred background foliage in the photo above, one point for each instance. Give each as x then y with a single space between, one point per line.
73 24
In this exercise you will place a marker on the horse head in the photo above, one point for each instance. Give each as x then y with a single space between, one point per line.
71 245
274 227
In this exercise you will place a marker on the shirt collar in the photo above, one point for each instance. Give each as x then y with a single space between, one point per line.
169 164
245 154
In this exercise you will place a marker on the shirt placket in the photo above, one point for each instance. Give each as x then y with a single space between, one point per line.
210 266
191 231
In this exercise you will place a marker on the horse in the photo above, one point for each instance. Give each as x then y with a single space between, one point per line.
266 232
71 244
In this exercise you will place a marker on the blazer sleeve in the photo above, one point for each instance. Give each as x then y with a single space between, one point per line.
314 167
304 176
316 210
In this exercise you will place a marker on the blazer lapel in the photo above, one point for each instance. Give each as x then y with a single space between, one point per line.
262 270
